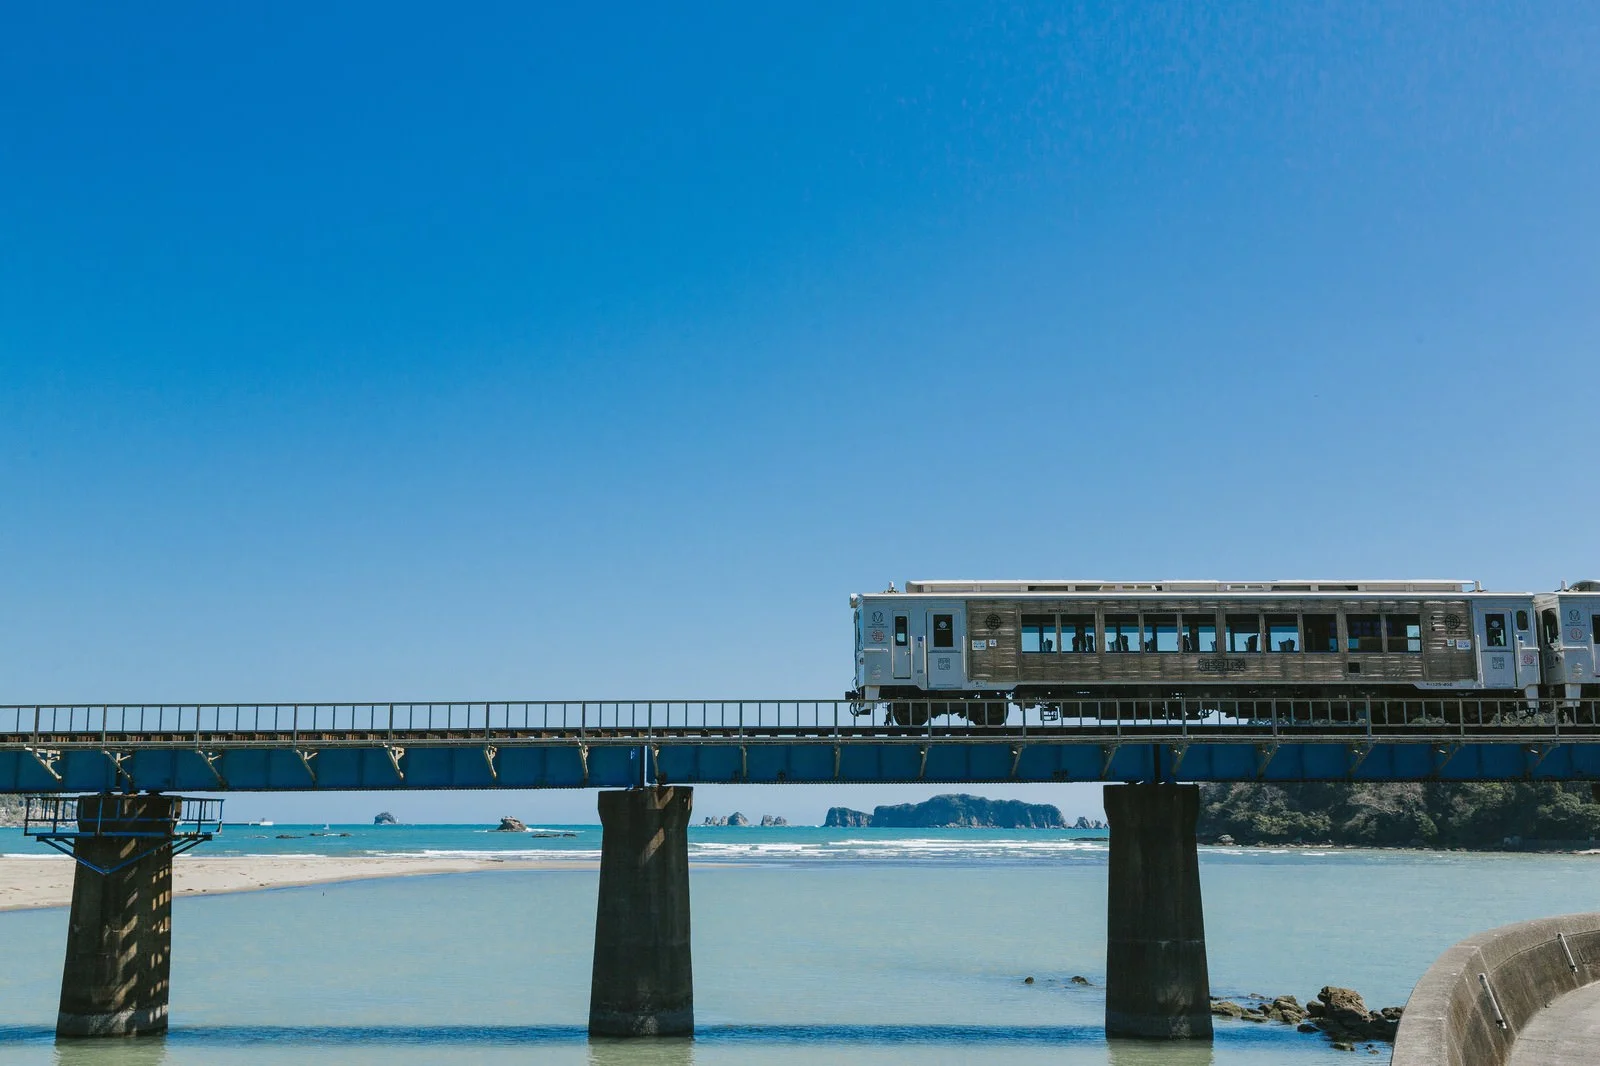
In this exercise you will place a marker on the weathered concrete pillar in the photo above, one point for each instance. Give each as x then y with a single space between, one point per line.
1156 981
119 934
643 984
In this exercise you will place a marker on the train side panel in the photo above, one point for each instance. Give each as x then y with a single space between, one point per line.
1437 634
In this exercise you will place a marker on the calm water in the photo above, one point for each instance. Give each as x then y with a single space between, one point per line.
871 946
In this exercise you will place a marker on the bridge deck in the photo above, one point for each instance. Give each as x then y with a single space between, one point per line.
296 747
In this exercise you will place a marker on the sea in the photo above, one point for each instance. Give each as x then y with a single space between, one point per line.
882 947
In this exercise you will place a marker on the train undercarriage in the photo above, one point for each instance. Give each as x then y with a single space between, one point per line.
1397 704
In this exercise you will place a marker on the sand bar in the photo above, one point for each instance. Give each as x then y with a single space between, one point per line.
46 881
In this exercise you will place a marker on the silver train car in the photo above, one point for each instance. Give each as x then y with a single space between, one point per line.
1569 640
973 644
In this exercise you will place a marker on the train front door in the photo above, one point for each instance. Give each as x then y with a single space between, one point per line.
944 659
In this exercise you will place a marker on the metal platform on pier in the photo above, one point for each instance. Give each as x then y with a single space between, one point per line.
66 822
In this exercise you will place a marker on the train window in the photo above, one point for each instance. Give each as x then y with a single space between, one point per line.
1594 629
1244 632
1550 626
1522 621
1283 632
944 631
1038 632
1363 633
900 636
1077 632
1122 632
1322 632
1404 632
1160 632
1494 630
1200 632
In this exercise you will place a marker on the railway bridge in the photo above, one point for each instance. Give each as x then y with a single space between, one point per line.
104 781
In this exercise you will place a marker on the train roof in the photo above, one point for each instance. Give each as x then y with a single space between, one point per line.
952 588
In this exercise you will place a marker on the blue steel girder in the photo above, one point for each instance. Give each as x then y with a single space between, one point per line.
519 763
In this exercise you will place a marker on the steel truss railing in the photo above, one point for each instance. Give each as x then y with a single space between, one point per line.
43 728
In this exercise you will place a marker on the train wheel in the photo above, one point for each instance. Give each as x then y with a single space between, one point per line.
987 714
908 713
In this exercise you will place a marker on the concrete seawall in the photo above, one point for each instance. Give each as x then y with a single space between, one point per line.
1472 1004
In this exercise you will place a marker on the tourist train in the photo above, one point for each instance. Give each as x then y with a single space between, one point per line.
976 647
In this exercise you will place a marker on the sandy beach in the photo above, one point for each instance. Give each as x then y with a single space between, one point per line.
46 881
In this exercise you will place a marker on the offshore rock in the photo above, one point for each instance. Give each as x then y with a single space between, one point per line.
1226 1008
384 818
845 818
774 820
1088 823
1345 1018
737 819
1287 1009
509 824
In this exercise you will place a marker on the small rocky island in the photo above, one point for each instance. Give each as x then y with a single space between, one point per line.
737 819
384 818
955 811
508 824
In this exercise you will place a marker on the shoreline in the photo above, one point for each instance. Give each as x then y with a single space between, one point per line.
46 881
1301 845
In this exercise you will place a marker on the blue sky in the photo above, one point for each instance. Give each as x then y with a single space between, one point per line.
387 353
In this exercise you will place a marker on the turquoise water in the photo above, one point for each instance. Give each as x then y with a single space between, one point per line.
871 946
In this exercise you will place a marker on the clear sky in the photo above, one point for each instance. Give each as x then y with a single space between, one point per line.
522 351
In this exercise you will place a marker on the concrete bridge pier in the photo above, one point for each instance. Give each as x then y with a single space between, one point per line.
1157 986
119 934
643 984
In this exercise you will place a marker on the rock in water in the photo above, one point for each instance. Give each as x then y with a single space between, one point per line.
1287 1009
384 818
845 818
509 824
737 819
1345 1018
1343 1005
1226 1008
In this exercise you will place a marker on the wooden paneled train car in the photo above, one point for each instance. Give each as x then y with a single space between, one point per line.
973 645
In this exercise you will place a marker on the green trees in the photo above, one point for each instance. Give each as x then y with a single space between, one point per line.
1433 814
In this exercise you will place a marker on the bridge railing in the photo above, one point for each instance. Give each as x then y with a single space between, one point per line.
1424 715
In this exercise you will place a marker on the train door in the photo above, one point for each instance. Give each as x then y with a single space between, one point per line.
945 663
1498 643
1527 645
900 649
